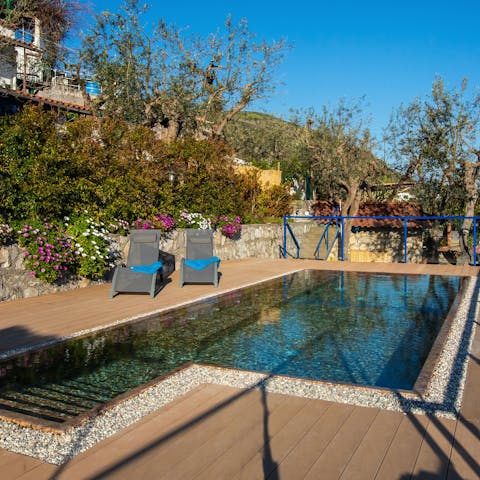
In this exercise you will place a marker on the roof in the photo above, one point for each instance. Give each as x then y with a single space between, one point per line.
379 209
71 107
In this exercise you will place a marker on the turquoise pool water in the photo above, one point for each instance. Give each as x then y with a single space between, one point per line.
364 329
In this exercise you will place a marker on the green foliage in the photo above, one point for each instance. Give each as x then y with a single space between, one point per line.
435 142
34 169
267 142
205 180
116 171
274 201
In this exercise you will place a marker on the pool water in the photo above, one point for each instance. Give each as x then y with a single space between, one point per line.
364 329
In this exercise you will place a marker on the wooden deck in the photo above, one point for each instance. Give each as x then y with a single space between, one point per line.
217 432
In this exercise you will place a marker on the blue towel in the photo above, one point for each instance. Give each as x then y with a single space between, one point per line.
150 269
201 263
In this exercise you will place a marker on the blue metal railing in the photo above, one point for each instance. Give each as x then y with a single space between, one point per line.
404 219
287 227
325 236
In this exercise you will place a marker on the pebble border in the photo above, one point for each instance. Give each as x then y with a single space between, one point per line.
443 396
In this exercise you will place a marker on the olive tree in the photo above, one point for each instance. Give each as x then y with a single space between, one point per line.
436 142
341 164
174 81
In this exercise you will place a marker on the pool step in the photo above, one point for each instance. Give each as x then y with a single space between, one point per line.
56 404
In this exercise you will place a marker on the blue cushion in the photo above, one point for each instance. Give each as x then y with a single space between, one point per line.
201 263
149 269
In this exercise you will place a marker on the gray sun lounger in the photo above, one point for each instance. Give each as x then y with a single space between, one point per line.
143 252
199 252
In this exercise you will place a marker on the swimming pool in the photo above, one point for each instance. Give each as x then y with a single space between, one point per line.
363 329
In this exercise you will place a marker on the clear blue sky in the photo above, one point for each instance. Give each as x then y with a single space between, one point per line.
388 51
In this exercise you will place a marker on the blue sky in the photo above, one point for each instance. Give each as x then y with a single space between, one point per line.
388 52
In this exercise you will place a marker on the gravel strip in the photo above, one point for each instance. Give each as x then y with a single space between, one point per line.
443 396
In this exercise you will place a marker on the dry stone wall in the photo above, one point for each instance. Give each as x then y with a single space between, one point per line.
385 246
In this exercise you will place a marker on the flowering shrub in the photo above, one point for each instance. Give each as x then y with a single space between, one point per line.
165 222
230 227
92 246
141 224
193 220
6 233
48 250
119 226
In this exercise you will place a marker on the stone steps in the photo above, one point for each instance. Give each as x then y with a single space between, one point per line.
310 241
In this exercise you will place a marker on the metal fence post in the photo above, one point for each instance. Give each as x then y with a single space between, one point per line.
475 241
342 245
405 233
284 237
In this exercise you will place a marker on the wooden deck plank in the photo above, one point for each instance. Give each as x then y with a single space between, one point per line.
241 426
339 451
298 460
465 458
45 471
259 442
286 440
201 397
14 465
373 447
434 456
402 454
469 409
159 428
164 460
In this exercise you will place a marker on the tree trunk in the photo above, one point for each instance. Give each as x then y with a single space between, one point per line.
470 172
350 208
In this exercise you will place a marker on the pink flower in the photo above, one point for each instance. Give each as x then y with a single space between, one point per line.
31 273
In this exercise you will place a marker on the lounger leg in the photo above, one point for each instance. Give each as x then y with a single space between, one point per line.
181 273
114 281
215 275
153 285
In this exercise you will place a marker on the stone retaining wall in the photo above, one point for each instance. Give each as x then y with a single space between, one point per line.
258 241
385 246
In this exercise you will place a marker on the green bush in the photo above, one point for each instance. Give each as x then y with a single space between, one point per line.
117 171
35 172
